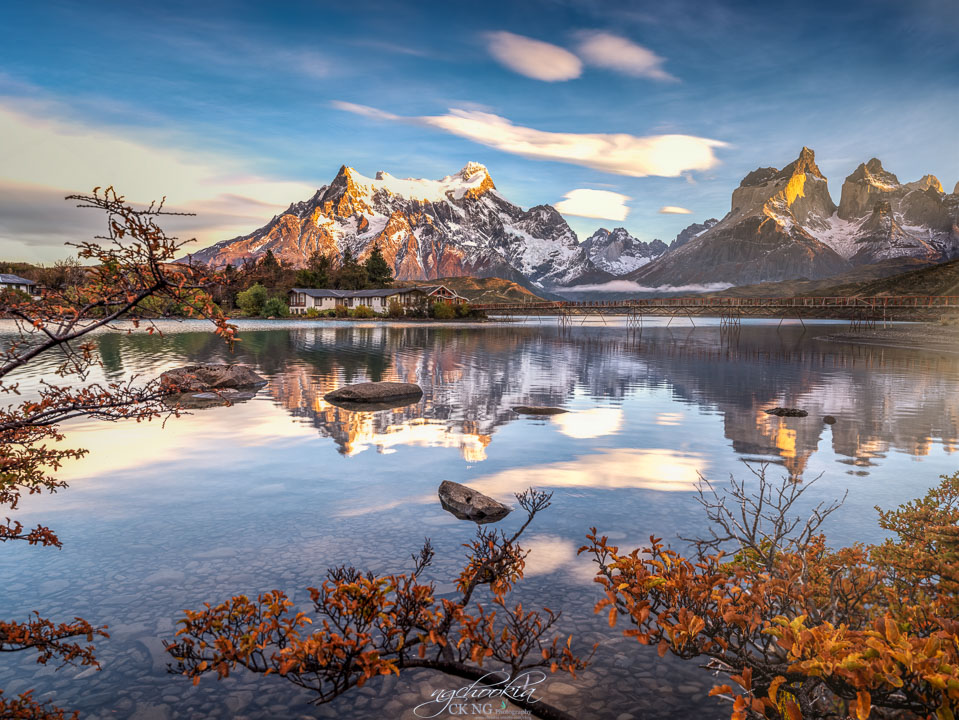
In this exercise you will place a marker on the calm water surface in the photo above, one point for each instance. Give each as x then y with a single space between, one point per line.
270 492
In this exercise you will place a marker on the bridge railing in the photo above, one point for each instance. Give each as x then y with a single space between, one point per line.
723 302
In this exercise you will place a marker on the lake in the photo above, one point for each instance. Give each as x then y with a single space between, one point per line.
270 492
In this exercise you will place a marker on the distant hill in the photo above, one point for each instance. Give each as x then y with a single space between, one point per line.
805 287
941 279
902 276
482 290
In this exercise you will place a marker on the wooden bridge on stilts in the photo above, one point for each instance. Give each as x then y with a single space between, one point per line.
862 312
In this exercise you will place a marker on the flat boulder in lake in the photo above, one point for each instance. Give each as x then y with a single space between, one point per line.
787 412
469 504
371 395
209 377
538 410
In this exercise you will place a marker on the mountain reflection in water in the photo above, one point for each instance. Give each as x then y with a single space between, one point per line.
473 378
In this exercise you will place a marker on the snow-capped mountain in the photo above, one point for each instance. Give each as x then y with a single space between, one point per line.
692 231
426 229
617 252
784 225
880 218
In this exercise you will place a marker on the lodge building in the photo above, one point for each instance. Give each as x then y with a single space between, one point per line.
302 299
15 282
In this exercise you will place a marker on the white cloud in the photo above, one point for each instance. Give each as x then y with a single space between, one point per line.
616 153
602 204
674 210
533 58
630 286
622 55
52 154
365 110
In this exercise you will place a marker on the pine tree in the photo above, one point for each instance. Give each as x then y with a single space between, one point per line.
351 275
317 272
269 267
378 271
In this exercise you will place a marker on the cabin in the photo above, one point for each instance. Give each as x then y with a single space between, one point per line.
302 299
15 282
437 293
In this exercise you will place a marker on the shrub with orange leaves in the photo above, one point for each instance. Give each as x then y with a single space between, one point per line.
131 263
364 625
800 630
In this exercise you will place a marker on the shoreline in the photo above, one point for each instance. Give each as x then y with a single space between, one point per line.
913 336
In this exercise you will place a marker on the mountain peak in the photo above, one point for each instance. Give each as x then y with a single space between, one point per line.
874 173
868 183
472 181
804 164
796 192
471 168
472 172
617 252
930 181
759 176
344 177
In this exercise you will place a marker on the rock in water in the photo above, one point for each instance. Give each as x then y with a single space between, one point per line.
538 410
829 420
374 393
787 412
207 377
468 504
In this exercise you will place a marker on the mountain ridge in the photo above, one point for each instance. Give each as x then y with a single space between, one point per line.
783 225
617 252
458 225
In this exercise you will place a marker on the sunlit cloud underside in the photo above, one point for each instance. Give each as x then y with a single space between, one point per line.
616 153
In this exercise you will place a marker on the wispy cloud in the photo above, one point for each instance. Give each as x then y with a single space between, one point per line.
602 204
366 111
629 286
52 153
390 47
533 58
239 52
616 153
674 210
620 54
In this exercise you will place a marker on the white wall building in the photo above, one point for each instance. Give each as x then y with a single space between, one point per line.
15 282
302 299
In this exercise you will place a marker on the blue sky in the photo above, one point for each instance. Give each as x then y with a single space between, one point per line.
236 109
